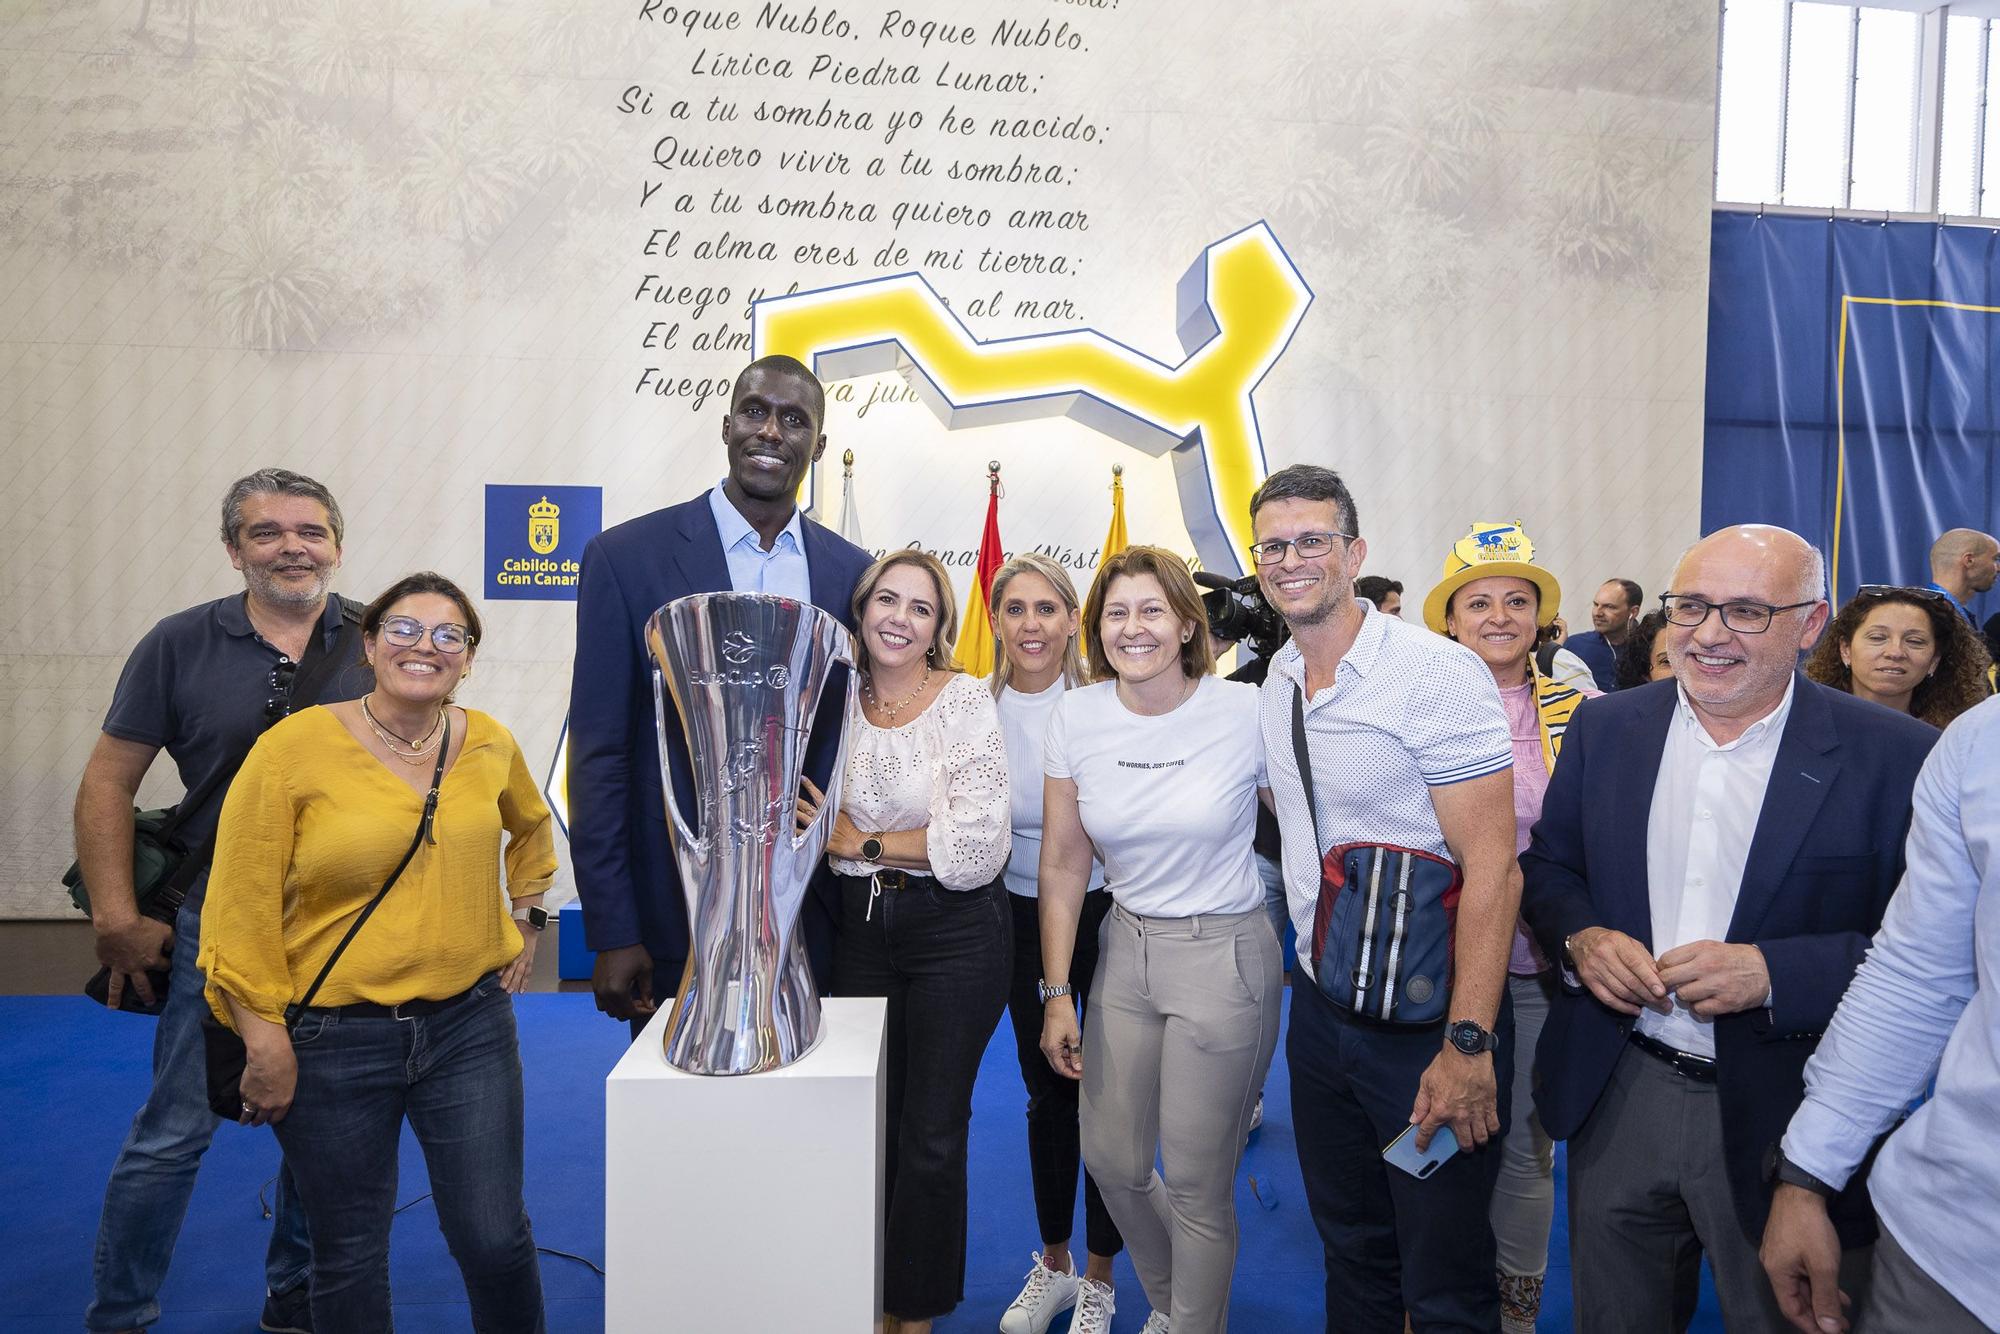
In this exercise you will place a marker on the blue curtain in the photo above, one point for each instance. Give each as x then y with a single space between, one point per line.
1851 375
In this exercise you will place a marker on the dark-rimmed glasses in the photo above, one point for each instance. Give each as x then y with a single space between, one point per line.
408 632
1905 590
280 702
1310 546
1745 618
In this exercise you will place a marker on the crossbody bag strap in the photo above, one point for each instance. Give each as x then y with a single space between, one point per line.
1304 759
423 835
316 667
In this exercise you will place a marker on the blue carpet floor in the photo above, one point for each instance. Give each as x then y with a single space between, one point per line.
71 1075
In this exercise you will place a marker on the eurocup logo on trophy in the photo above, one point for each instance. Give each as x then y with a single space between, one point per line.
745 672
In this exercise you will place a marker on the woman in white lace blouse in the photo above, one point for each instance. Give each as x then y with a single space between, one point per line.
918 846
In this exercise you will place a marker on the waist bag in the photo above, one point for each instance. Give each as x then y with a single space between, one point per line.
1382 931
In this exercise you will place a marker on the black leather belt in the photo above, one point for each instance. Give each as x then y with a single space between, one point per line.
897 880
409 1009
1698 1068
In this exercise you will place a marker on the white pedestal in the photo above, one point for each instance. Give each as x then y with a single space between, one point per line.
751 1202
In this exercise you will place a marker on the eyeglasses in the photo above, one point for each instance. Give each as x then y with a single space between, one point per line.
1745 618
1903 590
280 702
405 632
1310 546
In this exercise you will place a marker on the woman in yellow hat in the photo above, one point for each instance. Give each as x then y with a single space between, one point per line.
1495 600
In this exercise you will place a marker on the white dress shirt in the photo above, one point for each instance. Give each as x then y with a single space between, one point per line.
1704 814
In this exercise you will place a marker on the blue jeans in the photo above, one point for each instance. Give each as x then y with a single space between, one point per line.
457 1076
147 1197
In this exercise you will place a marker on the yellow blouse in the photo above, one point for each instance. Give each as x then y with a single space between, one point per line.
312 826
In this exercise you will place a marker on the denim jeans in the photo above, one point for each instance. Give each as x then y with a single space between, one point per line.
457 1076
147 1197
941 957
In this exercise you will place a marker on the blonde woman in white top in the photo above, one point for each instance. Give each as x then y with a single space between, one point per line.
1158 769
918 846
1035 633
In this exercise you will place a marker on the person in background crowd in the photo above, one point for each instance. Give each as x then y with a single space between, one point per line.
745 534
1558 664
1907 649
1921 1016
1386 594
918 847
201 685
1964 563
1408 746
1613 612
414 1021
1709 865
1492 606
1157 768
1644 658
1035 630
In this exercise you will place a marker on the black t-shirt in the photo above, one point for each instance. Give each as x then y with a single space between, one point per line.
197 686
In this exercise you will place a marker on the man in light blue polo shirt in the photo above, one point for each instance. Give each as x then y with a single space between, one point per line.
1921 1004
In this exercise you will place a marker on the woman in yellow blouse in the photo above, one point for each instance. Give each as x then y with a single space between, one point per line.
414 1019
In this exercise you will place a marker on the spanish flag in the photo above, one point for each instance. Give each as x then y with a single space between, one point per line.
1115 540
975 636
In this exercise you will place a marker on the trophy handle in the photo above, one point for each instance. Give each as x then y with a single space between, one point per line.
687 840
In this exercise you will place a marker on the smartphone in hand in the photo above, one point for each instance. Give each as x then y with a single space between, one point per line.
1402 1152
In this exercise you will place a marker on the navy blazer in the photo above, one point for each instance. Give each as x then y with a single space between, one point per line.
1826 855
626 877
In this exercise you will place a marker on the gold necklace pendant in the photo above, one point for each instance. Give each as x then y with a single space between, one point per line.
893 709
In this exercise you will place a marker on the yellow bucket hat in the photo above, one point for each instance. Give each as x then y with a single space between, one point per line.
1493 548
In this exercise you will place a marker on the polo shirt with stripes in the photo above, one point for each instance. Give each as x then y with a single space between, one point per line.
1408 711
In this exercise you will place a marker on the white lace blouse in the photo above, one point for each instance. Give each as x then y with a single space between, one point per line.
944 771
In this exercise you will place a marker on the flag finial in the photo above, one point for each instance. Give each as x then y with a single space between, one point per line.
847 459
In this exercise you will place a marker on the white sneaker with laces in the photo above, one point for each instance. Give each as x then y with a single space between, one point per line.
1094 1305
1046 1294
1156 1323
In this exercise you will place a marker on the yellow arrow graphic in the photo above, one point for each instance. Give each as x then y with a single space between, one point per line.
1239 305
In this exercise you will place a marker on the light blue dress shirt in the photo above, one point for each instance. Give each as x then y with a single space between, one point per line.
781 570
1929 986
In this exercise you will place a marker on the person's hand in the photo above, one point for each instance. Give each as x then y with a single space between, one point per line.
1459 1091
1062 1040
515 975
1712 978
1562 629
1801 1255
844 840
130 946
1618 970
622 982
270 1077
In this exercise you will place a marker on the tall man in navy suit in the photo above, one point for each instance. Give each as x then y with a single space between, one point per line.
746 534
1712 858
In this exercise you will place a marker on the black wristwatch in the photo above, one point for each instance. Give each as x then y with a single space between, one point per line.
871 848
1470 1038
536 916
1783 1171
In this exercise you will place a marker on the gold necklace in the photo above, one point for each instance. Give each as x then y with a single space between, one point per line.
893 709
409 752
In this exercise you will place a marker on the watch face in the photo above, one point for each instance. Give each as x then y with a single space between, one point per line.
1468 1037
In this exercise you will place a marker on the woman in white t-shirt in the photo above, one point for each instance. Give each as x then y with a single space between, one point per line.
1035 632
917 847
1158 768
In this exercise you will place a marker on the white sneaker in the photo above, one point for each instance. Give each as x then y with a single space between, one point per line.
1156 1323
1094 1305
1046 1294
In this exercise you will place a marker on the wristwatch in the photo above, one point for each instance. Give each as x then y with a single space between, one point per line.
1784 1171
871 848
1049 993
1470 1038
536 916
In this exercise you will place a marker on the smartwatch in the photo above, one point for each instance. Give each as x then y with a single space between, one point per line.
1783 1171
1048 993
1470 1038
871 848
537 917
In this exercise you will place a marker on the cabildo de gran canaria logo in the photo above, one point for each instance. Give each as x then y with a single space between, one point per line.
544 526
1239 305
535 536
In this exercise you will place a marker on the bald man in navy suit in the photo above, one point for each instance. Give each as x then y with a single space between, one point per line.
748 535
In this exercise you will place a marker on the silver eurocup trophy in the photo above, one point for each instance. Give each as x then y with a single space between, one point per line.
745 671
